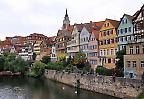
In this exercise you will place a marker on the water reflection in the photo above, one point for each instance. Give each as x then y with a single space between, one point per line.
24 88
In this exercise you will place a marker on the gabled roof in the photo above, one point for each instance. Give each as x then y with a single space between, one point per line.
79 27
113 22
138 12
128 16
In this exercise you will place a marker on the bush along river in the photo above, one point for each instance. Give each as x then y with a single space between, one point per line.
30 88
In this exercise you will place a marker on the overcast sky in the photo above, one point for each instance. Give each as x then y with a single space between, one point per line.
22 17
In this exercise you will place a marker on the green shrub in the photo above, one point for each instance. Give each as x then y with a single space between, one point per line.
55 66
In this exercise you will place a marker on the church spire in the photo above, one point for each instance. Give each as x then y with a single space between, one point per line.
66 15
66 21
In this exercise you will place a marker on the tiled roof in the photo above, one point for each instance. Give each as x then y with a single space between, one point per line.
113 22
79 26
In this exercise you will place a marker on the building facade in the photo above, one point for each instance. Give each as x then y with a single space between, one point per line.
134 58
125 31
84 38
108 43
26 52
93 45
73 45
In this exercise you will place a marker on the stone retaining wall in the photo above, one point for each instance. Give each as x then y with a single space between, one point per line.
122 88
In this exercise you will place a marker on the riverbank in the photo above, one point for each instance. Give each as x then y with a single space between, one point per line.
9 73
120 87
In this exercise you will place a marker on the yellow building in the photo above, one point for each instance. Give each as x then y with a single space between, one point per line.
108 43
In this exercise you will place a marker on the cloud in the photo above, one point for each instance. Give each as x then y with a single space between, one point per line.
22 17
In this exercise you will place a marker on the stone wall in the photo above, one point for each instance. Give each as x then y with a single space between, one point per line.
121 87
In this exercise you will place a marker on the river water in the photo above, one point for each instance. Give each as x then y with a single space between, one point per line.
29 88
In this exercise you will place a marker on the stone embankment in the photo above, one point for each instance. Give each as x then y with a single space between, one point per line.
121 87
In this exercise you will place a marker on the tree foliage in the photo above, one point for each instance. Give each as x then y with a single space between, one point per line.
62 57
120 57
9 62
79 59
46 59
38 68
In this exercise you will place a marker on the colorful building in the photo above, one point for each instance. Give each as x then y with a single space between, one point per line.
108 43
84 37
93 45
125 31
134 58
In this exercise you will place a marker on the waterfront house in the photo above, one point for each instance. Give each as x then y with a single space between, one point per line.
125 31
93 45
73 45
26 52
134 58
84 37
40 48
108 43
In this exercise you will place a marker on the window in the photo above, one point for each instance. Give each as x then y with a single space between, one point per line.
134 63
101 53
109 60
125 38
131 50
129 38
122 21
129 29
111 31
126 21
125 30
107 52
107 32
137 50
121 39
128 63
104 52
118 32
107 24
142 63
121 31
111 51
143 49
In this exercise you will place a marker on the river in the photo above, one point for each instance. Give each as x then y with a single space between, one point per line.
29 88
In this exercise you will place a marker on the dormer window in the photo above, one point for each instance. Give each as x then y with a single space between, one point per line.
126 21
107 24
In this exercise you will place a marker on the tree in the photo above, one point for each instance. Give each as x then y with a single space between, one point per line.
62 57
120 57
79 59
34 56
120 63
46 59
2 62
19 65
38 68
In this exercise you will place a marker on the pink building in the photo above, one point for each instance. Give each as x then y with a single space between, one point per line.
93 45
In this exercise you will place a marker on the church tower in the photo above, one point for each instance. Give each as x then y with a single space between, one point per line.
66 21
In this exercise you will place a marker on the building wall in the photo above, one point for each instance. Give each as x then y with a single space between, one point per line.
133 67
93 51
73 46
124 31
84 39
107 51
